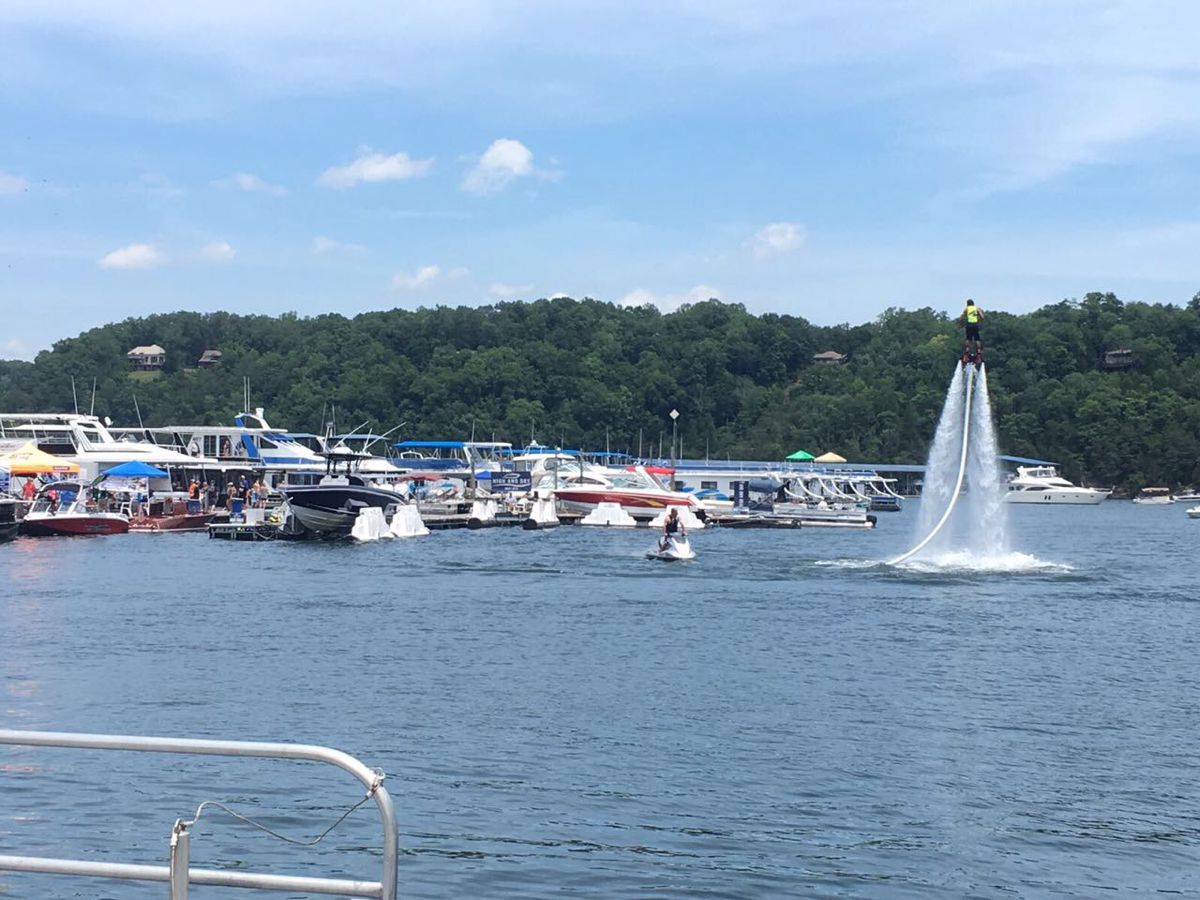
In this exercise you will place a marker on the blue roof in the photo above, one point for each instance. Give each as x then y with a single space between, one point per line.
1026 461
431 445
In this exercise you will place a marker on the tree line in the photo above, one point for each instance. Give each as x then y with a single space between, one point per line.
583 373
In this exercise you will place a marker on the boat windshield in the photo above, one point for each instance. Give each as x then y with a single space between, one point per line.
635 482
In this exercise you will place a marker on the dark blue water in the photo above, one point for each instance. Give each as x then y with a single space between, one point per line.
559 716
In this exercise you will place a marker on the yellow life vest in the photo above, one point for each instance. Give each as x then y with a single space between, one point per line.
972 314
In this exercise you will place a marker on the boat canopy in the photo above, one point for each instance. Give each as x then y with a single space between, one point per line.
430 445
29 460
830 457
135 469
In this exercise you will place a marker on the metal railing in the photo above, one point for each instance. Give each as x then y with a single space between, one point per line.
177 873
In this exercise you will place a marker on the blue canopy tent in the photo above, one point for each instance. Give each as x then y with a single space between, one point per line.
134 469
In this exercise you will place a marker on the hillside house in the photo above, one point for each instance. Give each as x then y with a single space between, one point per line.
1118 359
830 358
147 359
209 358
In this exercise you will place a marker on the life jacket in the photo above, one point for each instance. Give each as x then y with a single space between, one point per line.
972 314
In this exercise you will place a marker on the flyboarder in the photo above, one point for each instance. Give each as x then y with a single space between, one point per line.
971 317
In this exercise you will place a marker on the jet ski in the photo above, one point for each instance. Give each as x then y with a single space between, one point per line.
673 548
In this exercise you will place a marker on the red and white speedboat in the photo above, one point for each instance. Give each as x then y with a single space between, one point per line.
71 509
640 494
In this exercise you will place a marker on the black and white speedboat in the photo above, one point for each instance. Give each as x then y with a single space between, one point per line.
330 506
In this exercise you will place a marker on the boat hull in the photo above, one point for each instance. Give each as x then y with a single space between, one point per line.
184 522
1045 498
640 506
333 509
35 525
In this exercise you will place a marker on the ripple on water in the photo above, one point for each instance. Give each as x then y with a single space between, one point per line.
786 715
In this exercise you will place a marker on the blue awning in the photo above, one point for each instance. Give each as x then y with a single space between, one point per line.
135 469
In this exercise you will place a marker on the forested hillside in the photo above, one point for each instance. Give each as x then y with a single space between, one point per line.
746 386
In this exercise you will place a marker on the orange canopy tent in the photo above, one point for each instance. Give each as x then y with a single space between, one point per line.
29 460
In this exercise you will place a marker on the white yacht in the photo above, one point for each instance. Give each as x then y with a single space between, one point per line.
87 441
250 441
1043 485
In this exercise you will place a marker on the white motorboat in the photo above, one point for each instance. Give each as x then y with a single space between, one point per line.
638 492
1194 512
674 548
1043 485
1154 496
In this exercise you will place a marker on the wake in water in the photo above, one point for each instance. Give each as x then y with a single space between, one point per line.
968 562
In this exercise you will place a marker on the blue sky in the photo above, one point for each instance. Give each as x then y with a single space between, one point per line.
825 160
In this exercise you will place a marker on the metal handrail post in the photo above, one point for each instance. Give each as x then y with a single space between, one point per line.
179 860
370 778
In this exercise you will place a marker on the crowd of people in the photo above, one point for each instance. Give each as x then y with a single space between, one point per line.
253 494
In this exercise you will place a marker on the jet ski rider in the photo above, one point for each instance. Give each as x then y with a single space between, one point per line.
671 527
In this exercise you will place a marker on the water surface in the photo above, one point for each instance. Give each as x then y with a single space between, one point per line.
783 716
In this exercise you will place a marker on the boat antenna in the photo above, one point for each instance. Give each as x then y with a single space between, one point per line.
639 443
74 396
363 425
92 411
383 436
138 411
246 392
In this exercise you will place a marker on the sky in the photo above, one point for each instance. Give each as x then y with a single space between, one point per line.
827 160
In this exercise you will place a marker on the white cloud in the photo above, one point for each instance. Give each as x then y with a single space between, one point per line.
409 281
322 245
458 272
776 239
12 184
372 167
15 348
135 256
503 161
219 252
670 302
508 291
244 181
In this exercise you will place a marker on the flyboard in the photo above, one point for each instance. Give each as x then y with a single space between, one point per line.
962 462
674 548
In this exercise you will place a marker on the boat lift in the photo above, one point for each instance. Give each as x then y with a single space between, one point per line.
178 873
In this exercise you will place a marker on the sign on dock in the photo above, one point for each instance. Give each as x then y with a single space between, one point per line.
511 482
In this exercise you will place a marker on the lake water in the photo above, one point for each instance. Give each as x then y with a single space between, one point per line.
559 716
